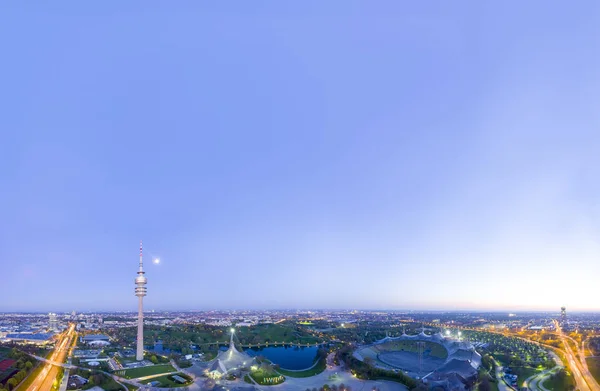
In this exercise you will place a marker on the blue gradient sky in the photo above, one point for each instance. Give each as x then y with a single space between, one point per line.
333 154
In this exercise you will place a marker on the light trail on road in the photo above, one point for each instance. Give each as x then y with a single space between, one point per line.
46 378
583 377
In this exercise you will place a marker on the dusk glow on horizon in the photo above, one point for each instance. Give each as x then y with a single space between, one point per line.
351 155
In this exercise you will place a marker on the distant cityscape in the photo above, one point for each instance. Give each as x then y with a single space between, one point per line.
219 349
50 323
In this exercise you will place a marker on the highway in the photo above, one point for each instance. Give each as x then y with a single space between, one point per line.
583 377
47 377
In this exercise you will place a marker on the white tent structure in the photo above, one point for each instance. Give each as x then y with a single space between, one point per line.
229 361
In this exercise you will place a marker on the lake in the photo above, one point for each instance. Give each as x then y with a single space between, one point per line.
287 357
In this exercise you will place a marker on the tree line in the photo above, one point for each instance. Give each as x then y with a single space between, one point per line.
24 364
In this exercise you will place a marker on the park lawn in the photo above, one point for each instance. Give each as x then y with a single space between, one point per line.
594 367
107 384
135 373
160 359
266 375
554 384
503 358
320 367
166 381
434 349
523 373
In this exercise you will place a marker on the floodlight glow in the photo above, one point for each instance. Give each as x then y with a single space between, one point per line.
232 330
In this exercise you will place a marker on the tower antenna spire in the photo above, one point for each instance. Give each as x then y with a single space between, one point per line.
141 258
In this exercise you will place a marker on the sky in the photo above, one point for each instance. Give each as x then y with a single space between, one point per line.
339 154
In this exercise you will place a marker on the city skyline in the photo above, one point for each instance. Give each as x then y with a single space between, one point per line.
391 156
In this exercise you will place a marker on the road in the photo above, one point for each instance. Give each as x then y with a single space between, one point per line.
535 382
46 378
116 378
584 379
502 386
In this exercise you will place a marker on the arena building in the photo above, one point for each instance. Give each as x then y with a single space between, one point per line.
438 360
229 361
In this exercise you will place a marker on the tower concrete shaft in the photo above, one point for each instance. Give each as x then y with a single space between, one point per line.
140 292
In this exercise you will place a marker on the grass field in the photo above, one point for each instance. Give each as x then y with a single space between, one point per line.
523 373
554 383
267 376
434 349
107 384
320 367
594 367
167 381
135 373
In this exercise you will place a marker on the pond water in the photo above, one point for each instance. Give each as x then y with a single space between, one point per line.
287 357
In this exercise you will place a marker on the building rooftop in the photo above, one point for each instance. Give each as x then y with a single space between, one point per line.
95 337
27 336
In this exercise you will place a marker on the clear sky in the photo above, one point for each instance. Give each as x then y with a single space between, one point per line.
320 154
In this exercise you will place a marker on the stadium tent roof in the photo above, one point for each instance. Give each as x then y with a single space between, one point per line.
218 367
230 359
462 359
460 367
451 381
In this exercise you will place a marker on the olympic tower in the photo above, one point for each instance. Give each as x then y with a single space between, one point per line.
140 292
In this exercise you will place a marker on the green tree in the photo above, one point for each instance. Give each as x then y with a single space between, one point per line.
20 375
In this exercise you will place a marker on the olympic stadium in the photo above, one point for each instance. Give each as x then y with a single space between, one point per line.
433 358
